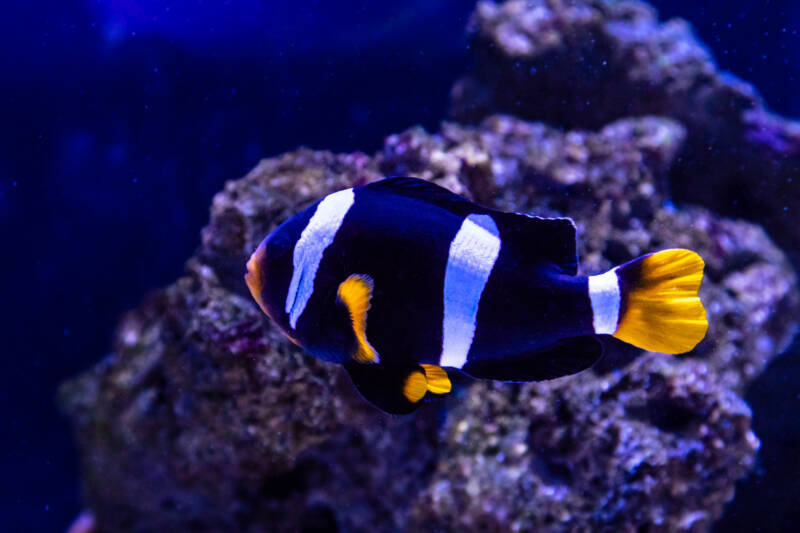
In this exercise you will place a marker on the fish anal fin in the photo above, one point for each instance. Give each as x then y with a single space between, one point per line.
394 389
355 293
565 357
437 380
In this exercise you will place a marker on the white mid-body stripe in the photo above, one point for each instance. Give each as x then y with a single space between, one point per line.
315 238
473 253
604 295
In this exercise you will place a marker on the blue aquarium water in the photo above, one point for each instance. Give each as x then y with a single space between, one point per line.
122 120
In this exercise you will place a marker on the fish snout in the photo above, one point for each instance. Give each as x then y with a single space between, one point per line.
255 276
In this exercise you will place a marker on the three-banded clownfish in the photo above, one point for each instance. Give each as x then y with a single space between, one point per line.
402 280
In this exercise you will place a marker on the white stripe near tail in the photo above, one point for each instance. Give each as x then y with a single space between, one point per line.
605 299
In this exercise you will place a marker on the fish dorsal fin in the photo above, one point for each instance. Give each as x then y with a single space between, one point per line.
541 240
355 293
426 191
565 357
552 241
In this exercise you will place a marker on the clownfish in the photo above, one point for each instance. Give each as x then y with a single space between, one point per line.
402 281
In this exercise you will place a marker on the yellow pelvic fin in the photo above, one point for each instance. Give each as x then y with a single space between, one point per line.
254 276
662 311
415 387
355 293
438 382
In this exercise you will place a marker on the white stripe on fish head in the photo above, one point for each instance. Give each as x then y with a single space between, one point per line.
315 238
473 253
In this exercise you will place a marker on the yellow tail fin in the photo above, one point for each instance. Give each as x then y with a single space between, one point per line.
660 310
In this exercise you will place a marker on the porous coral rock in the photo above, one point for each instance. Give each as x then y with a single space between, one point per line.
205 418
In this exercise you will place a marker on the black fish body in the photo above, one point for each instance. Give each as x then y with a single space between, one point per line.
401 278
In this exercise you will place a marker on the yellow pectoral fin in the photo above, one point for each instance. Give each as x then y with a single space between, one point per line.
437 380
355 293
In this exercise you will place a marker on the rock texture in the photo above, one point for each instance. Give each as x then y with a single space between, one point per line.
204 418
584 63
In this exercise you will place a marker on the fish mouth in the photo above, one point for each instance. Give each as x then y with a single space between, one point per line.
255 276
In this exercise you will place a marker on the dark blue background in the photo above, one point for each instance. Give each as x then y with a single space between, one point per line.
121 119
